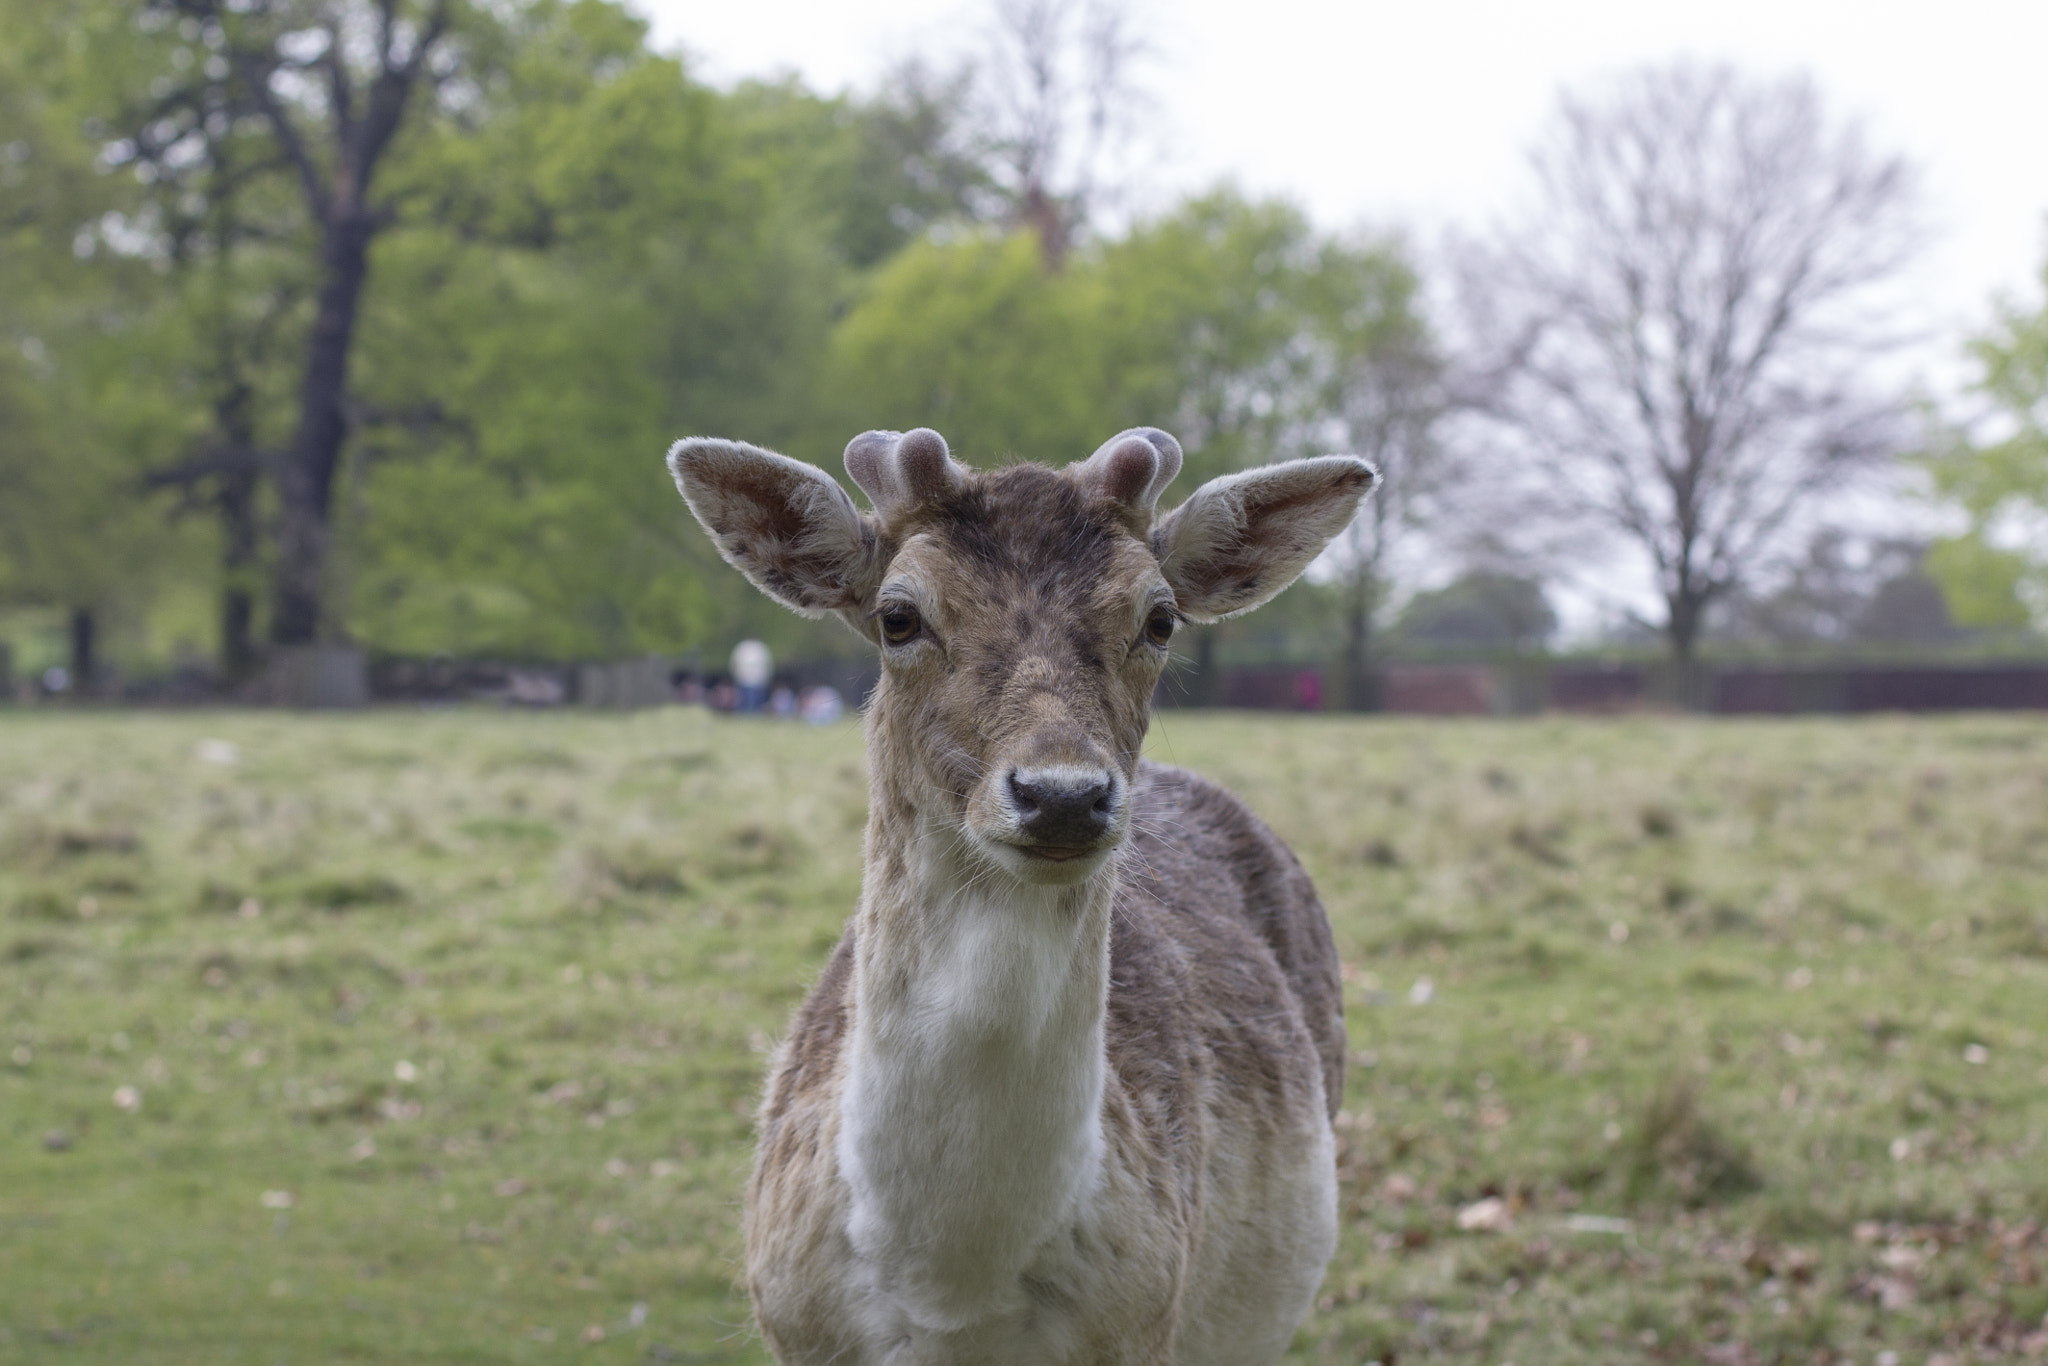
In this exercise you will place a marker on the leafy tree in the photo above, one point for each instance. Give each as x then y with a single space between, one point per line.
1380 394
1230 321
328 89
234 304
582 254
578 253
1995 574
1257 338
873 173
75 535
598 255
603 270
1204 319
973 336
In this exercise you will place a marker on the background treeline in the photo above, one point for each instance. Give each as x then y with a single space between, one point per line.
369 320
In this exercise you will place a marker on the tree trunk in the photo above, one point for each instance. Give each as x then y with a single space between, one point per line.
306 482
235 501
1045 216
237 633
1205 689
84 661
1686 611
1361 688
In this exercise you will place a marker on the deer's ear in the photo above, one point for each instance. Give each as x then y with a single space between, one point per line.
786 525
1240 539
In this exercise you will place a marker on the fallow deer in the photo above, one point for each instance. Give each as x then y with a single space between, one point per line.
1063 1094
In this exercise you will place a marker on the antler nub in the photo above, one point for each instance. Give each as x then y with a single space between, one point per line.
895 470
1133 467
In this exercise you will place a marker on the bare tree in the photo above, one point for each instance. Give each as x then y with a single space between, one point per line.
1057 100
1846 590
1684 324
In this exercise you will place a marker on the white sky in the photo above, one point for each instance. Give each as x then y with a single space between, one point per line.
1418 112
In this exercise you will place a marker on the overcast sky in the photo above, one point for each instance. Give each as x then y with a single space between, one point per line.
1419 113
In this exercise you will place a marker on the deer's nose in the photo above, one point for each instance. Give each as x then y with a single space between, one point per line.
1069 808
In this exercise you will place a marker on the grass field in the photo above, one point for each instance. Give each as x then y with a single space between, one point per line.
433 1037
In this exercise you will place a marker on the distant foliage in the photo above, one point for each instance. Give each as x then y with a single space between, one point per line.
1479 611
579 252
1995 573
568 250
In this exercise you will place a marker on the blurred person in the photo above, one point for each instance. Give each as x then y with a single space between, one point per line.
821 705
752 668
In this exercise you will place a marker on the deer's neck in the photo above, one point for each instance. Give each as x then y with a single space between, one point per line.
970 1114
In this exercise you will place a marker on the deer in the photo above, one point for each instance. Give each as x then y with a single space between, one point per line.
1065 1090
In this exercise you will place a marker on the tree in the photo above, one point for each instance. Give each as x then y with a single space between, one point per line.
233 299
1680 329
77 538
877 172
1056 101
605 254
1995 573
1481 610
1204 318
973 337
1846 591
1381 394
582 253
1257 338
330 86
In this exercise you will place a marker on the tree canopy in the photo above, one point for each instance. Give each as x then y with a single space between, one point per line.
1995 571
369 321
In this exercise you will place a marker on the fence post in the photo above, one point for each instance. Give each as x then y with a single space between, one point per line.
1687 685
1521 687
325 675
623 684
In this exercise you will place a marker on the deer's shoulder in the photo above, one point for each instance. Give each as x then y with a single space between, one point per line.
1213 903
1197 848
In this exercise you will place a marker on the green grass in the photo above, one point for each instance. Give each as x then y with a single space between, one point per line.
443 1030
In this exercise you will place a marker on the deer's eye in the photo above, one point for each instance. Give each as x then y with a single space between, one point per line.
1159 626
900 623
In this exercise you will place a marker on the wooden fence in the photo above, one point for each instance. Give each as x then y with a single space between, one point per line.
340 677
1528 687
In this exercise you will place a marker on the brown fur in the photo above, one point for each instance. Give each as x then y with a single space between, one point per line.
1221 1029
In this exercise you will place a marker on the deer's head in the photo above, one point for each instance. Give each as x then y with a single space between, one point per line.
1023 615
